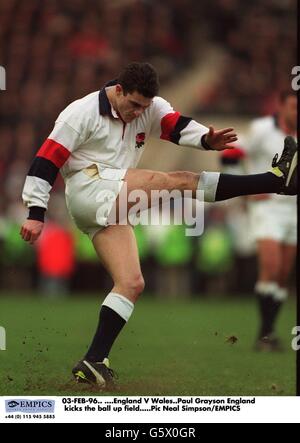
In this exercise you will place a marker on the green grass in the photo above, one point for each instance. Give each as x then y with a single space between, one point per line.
167 348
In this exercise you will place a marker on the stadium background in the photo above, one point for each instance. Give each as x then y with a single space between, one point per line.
219 61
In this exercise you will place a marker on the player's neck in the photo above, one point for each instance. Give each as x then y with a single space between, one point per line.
285 127
111 95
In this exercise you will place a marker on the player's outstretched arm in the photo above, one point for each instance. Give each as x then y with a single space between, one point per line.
31 230
170 125
219 140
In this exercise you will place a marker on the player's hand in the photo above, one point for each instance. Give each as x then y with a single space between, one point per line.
222 139
31 230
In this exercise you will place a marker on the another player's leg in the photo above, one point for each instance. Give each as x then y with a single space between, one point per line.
288 256
276 261
117 250
268 292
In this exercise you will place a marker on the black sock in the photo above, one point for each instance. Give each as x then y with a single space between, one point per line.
269 310
230 186
109 327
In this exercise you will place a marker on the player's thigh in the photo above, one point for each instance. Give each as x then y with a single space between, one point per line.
288 257
117 249
90 199
147 188
289 242
147 180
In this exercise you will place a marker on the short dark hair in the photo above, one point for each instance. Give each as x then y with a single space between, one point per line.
139 77
284 94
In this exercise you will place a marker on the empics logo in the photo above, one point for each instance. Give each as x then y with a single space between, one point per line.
13 404
2 79
296 340
31 406
2 339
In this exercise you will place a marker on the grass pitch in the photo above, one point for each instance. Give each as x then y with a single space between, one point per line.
167 348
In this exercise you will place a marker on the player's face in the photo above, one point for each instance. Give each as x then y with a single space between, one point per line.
131 106
289 111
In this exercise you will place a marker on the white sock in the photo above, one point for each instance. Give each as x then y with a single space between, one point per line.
266 288
281 294
208 182
120 304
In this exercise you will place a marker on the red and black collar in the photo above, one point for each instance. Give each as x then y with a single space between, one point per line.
104 103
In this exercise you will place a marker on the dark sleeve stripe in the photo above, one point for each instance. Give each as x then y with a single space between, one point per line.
55 152
44 169
232 156
36 213
168 123
172 125
229 161
204 144
182 123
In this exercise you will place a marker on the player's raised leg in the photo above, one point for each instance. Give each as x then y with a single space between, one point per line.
282 178
117 250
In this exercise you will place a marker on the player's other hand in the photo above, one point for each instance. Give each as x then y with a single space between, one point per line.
31 230
222 139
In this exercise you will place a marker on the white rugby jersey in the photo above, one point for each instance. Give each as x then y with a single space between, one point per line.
264 140
90 131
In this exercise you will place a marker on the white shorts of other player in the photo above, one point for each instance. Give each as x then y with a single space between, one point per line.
90 196
273 220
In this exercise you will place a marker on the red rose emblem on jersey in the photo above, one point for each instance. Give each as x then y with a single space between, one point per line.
140 140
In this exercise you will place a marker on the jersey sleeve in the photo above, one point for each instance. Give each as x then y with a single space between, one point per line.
69 132
168 124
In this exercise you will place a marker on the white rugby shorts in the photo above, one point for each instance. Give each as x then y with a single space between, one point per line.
273 220
90 199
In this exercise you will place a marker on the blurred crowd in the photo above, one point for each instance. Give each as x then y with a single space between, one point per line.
259 40
55 51
174 264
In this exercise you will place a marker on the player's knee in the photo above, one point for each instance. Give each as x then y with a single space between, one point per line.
157 178
182 178
134 286
138 285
